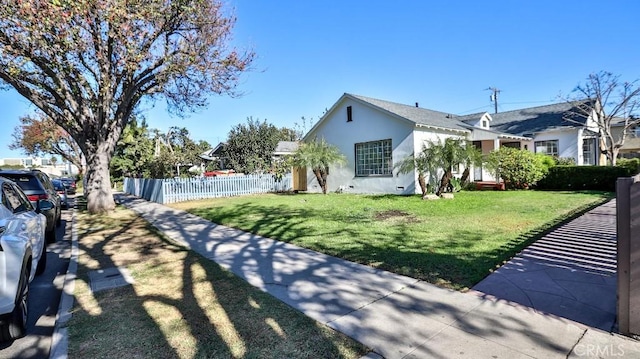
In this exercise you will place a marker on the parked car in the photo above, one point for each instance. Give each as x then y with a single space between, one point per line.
37 185
22 255
70 184
62 191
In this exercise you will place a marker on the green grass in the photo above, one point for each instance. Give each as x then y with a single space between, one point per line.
454 243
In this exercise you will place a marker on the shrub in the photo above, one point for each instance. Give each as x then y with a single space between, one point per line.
565 161
579 178
519 169
631 164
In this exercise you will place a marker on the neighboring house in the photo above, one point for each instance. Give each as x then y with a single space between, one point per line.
55 169
631 146
215 154
374 135
285 148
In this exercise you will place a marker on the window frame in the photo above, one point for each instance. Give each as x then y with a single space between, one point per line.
546 143
383 145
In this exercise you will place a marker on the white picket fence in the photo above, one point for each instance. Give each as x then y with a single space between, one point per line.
188 189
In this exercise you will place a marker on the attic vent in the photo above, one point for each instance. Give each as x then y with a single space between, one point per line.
349 114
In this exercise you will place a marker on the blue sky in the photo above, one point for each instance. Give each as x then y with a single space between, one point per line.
442 54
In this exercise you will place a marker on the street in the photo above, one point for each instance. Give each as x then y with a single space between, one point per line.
44 298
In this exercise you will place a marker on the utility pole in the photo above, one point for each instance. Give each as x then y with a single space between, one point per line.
494 97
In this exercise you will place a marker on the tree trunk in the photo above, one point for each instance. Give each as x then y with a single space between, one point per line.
321 179
423 184
614 156
444 183
464 180
98 182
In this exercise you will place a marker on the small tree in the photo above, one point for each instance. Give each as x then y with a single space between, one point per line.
318 155
518 168
453 152
427 161
38 135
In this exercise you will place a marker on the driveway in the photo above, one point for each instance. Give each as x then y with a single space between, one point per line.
570 272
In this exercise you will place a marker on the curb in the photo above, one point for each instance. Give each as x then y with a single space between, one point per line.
60 339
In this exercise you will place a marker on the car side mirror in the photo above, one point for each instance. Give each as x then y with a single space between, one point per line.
44 205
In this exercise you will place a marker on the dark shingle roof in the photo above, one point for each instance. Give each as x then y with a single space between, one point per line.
536 119
286 147
418 115
523 122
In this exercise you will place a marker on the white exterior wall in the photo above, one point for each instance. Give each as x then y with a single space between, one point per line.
422 135
569 143
368 124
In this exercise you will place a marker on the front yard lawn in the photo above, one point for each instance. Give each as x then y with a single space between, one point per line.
453 243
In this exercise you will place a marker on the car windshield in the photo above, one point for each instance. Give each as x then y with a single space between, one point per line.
26 182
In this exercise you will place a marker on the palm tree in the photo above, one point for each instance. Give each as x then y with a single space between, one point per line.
318 155
427 161
453 152
472 157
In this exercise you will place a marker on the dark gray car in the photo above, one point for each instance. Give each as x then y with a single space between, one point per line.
37 186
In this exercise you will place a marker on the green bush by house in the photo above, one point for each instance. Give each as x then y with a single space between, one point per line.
578 178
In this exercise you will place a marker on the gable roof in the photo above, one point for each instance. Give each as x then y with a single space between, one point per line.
530 120
417 115
521 124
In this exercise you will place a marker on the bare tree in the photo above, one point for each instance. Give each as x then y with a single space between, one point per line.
612 104
88 64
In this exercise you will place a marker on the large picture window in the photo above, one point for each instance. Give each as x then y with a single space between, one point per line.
374 158
547 147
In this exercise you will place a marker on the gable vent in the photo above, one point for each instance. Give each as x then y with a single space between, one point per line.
349 114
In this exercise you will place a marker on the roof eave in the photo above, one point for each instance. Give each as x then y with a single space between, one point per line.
442 128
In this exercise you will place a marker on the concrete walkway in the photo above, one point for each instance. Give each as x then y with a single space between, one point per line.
396 316
570 272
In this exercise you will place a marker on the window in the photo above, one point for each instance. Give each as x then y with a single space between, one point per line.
547 147
589 151
485 124
511 144
374 158
13 201
349 114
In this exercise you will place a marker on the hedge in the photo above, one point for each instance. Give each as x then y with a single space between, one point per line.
578 178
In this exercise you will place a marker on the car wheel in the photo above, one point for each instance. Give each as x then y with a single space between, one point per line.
42 263
50 236
16 326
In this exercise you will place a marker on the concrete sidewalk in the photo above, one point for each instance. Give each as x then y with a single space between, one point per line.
396 316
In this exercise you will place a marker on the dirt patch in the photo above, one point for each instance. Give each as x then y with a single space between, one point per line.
395 215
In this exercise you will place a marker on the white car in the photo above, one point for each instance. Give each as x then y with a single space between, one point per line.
22 255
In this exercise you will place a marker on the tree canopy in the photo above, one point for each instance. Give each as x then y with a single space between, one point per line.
38 135
249 147
88 64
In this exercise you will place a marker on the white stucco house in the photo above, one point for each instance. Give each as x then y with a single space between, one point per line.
374 135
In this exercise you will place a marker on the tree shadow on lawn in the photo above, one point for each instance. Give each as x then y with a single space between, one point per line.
307 280
391 249
214 313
